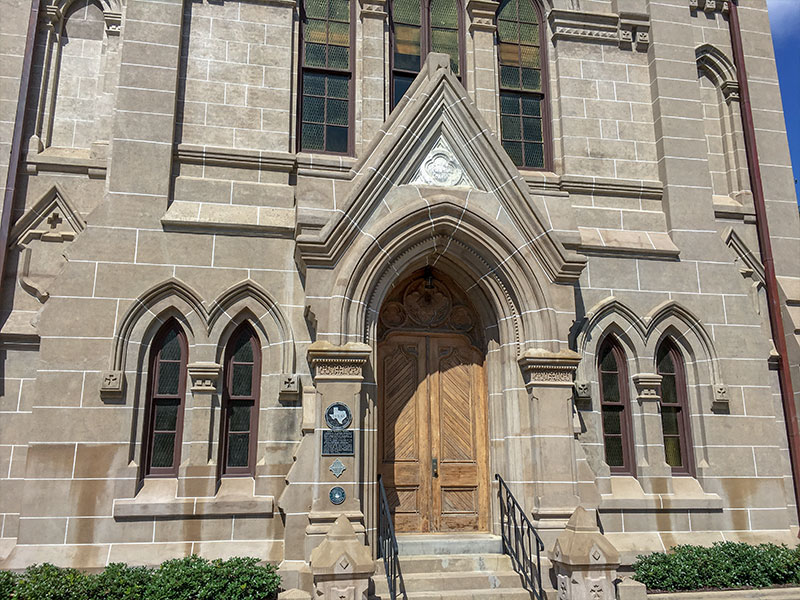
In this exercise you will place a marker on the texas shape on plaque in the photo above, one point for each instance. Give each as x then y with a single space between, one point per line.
41 236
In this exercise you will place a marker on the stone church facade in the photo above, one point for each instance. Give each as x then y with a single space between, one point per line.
259 253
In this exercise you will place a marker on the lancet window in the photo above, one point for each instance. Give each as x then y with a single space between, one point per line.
675 421
615 408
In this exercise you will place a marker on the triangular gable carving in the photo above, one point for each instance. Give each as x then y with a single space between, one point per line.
53 218
441 167
436 108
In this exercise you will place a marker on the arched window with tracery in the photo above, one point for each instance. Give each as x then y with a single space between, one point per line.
675 419
240 397
417 28
165 401
524 108
326 77
615 408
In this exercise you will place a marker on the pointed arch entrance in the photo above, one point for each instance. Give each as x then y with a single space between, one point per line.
432 399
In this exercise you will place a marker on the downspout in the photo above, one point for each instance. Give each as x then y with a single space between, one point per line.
16 139
765 245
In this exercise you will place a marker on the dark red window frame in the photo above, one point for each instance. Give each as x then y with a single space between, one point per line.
157 422
231 402
325 95
675 400
616 402
426 36
519 110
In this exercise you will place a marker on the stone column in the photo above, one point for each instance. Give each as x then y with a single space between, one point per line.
585 562
338 378
482 78
342 564
373 76
653 472
548 379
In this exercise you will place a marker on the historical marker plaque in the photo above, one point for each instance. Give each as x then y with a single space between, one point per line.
338 443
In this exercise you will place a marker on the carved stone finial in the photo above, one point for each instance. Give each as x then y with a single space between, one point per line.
342 564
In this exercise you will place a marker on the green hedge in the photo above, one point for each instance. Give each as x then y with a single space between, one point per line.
723 565
191 578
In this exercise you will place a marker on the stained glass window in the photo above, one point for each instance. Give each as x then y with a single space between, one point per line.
522 93
674 409
242 380
326 76
165 404
615 408
419 27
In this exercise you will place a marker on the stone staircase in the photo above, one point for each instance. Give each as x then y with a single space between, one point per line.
458 568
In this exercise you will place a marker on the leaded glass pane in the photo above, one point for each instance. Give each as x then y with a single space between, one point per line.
313 109
444 13
508 31
669 394
531 106
163 450
166 417
407 48
336 139
242 380
528 34
514 150
608 362
531 79
239 416
529 56
337 112
614 456
315 55
168 378
665 362
510 104
509 54
315 31
610 383
171 347
243 350
672 450
339 57
445 40
527 12
314 83
401 85
534 155
669 420
312 137
338 86
509 77
612 423
340 10
315 8
406 11
238 449
510 127
508 10
339 33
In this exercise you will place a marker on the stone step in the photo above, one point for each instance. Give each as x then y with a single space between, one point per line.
451 563
451 582
413 545
519 594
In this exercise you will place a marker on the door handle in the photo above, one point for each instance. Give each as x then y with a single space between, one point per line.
435 466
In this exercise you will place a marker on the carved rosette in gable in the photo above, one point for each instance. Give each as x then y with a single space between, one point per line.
41 236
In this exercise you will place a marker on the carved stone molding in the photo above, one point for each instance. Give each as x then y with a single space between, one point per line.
721 398
482 15
112 384
628 30
648 387
113 22
545 368
290 387
205 377
338 362
375 9
710 6
583 391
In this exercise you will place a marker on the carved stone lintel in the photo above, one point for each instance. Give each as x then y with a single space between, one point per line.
648 387
204 377
338 362
112 384
544 368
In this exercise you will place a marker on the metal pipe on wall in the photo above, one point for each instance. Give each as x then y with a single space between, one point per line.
765 245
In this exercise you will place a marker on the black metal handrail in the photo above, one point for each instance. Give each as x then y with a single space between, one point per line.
388 547
520 540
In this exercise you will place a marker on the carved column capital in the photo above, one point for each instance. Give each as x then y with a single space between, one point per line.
338 362
205 376
648 387
545 368
482 14
373 9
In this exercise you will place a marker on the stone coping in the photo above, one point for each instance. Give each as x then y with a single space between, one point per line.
785 593
158 498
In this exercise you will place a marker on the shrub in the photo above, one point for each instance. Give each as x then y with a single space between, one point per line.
191 578
723 565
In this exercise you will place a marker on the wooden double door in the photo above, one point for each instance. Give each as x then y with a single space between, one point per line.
433 432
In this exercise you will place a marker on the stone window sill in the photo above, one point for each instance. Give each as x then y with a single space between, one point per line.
158 498
627 494
204 216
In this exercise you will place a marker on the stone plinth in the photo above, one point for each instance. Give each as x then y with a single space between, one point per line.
342 564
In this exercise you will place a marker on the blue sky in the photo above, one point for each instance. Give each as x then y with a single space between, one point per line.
784 18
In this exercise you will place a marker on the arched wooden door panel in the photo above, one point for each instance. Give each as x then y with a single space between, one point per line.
433 432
